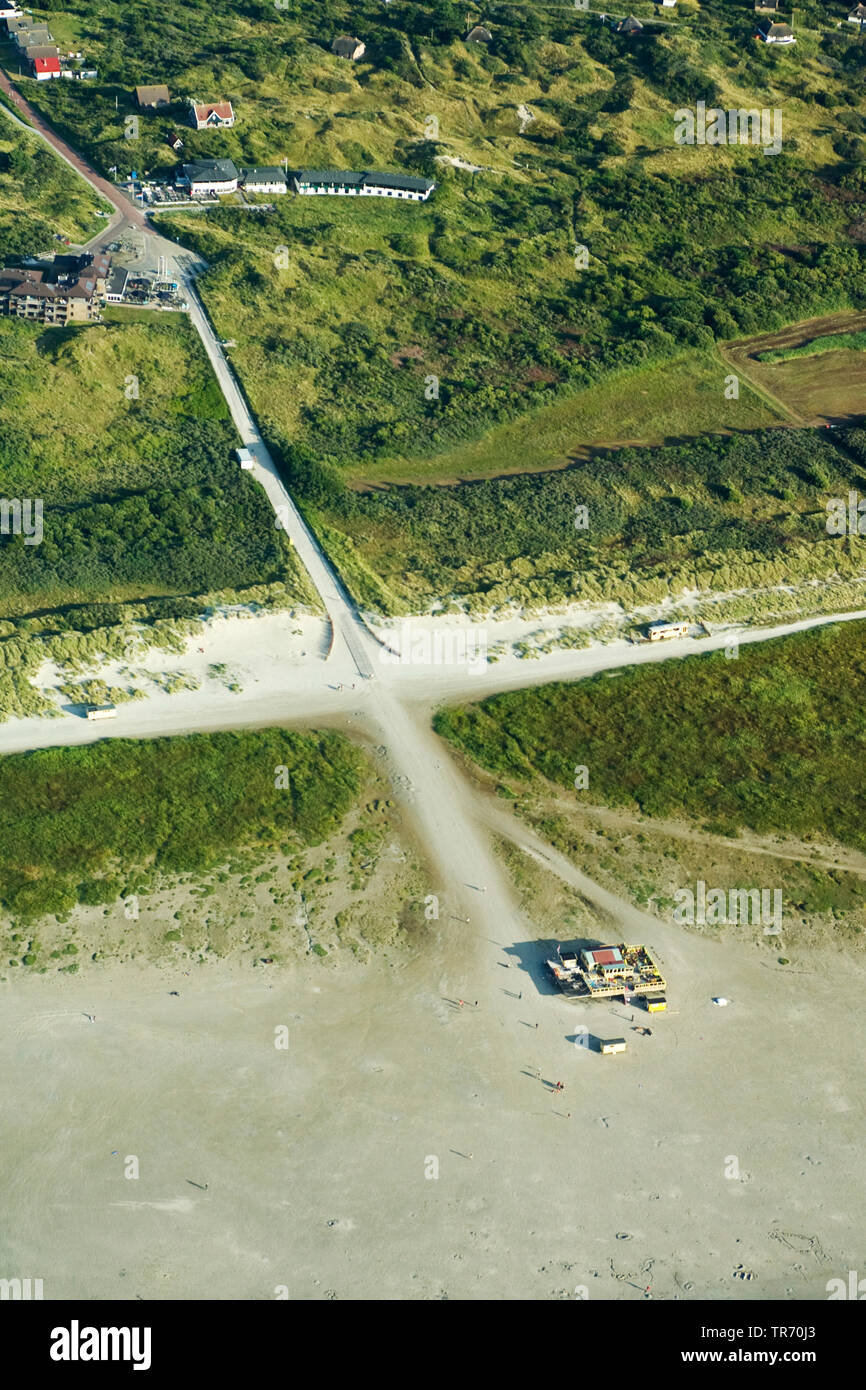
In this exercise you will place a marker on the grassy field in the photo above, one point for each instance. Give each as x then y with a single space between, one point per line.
771 742
724 515
666 402
833 342
92 824
122 433
813 371
41 197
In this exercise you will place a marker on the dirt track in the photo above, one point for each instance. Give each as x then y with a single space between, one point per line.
826 389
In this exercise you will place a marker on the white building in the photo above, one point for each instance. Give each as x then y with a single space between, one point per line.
776 33
269 179
345 183
211 114
209 176
347 47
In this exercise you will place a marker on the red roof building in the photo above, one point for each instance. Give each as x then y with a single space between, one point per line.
45 68
217 113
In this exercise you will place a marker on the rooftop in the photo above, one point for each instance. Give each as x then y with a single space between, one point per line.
222 109
147 96
265 173
370 179
221 169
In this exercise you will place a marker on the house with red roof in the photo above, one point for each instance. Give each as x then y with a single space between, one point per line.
45 68
210 114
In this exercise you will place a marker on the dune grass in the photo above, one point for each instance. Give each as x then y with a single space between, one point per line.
773 741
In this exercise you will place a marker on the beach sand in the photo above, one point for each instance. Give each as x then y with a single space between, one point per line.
315 1156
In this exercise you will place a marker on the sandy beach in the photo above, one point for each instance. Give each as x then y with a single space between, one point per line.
315 1157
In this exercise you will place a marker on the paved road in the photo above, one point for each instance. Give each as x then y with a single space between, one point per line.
37 124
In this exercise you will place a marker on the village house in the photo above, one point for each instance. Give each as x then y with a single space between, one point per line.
32 34
9 11
205 176
41 50
346 47
174 141
151 98
15 24
857 15
480 34
669 4
268 179
629 26
344 183
767 6
44 69
775 33
209 115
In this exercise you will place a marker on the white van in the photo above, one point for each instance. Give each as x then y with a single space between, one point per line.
101 712
657 632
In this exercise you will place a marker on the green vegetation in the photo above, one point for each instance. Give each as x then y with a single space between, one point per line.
122 432
831 342
746 512
479 288
773 741
396 337
40 196
89 824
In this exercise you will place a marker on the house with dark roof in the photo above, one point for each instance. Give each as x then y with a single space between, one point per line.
32 34
208 115
174 141
115 290
266 179
629 26
48 295
151 98
346 47
41 50
775 33
15 23
480 34
346 183
857 15
204 176
66 268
